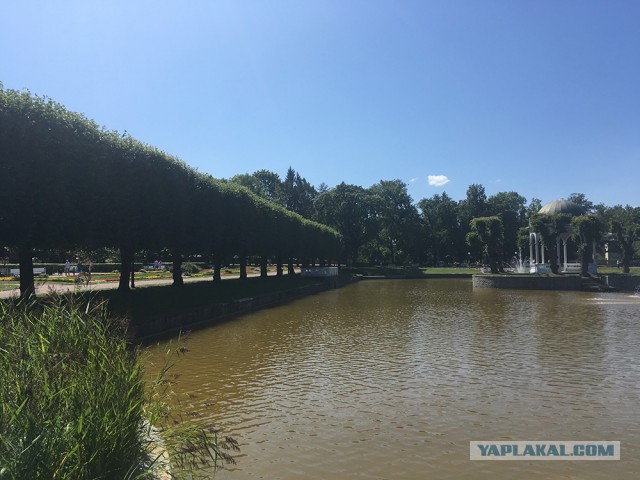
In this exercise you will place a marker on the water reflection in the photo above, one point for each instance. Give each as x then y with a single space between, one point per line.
392 379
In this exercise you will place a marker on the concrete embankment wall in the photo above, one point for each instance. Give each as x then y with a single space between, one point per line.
627 283
172 323
528 282
415 277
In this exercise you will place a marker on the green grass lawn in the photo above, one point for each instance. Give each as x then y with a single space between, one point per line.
616 271
450 271
411 271
8 285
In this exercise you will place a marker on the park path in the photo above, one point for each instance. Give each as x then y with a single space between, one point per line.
45 288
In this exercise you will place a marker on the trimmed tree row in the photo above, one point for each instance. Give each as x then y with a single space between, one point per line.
67 183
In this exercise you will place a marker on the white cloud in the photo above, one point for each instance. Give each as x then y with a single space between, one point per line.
413 180
438 180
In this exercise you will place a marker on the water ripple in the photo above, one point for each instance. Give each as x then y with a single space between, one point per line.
393 379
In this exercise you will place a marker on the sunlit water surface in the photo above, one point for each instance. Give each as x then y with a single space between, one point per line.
392 379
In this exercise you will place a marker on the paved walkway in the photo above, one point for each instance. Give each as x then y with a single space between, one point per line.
44 288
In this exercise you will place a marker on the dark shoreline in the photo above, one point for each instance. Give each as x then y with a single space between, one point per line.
157 327
602 283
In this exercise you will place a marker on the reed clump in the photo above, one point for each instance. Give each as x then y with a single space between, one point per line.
73 400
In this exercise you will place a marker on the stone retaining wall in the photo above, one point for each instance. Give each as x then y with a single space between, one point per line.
527 282
415 277
172 323
629 283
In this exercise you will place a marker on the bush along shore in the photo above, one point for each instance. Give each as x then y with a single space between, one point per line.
75 405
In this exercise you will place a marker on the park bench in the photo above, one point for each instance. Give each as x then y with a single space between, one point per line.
15 272
152 268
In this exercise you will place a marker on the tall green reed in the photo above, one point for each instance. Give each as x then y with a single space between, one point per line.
72 393
74 404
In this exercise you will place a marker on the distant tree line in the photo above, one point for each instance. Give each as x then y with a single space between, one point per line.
70 185
66 183
383 225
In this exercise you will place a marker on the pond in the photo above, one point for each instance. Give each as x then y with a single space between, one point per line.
391 379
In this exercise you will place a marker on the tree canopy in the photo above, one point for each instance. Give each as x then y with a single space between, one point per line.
625 229
488 233
69 183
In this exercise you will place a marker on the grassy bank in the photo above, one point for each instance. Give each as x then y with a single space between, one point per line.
74 404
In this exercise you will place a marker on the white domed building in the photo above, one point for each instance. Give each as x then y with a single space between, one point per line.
537 259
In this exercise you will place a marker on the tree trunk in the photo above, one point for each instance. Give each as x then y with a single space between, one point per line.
243 267
217 269
126 258
584 264
133 272
176 258
626 258
27 283
279 266
393 252
290 269
553 262
493 264
264 266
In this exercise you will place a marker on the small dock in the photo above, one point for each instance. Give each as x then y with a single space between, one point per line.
319 272
330 274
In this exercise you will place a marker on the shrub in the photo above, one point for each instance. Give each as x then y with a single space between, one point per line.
190 268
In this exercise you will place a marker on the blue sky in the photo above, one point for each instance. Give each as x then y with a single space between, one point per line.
539 97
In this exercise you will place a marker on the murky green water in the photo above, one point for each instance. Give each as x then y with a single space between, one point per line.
392 379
